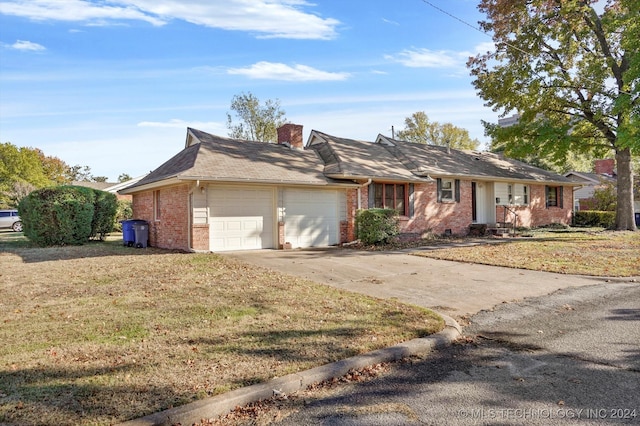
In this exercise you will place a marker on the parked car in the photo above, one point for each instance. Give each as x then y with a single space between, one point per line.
10 219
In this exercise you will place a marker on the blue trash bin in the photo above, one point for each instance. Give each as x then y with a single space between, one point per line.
129 232
637 219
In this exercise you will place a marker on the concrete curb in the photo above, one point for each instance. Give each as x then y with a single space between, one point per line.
222 404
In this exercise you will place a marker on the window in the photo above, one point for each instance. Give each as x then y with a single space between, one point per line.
448 190
390 196
554 196
521 194
156 205
512 194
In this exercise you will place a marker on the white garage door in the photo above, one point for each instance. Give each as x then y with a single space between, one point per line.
311 217
241 218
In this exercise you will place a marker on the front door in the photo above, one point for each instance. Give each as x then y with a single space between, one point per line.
482 202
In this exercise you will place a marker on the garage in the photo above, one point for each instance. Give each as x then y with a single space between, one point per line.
241 218
311 217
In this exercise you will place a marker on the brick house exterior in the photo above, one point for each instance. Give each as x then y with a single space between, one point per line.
225 194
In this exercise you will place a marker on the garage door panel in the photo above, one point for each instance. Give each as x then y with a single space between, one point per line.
241 218
311 217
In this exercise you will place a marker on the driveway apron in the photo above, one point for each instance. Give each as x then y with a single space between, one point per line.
453 288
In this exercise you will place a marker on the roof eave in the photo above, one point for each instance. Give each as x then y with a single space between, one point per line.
149 186
420 179
264 181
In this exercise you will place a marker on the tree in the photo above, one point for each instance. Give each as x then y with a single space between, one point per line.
258 122
573 74
418 129
573 161
24 169
124 177
79 173
604 197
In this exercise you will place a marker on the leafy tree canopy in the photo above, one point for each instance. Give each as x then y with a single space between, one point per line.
418 129
257 122
24 169
124 177
571 69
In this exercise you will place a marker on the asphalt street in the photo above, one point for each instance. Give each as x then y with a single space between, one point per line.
571 357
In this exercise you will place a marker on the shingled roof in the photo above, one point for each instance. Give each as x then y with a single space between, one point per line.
215 158
423 159
330 160
354 159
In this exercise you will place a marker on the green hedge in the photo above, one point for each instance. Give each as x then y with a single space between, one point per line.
67 215
595 218
124 212
106 208
376 226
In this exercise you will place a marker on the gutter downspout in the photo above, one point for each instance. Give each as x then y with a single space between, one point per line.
364 185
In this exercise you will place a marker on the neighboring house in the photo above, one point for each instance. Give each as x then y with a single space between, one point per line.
111 187
222 194
603 174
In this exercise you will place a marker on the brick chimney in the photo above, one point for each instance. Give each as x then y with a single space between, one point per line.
605 167
291 134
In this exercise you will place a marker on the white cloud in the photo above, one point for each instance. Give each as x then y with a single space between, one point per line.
425 58
266 18
277 71
485 47
182 124
28 45
75 11
388 21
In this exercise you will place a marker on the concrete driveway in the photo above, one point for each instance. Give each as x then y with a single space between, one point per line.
452 288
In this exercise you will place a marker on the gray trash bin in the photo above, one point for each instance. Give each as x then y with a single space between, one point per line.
141 231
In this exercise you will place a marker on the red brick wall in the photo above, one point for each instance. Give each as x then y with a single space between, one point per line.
437 218
434 217
541 215
171 230
536 213
430 216
348 227
200 236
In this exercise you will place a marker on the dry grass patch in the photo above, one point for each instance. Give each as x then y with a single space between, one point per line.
102 333
603 253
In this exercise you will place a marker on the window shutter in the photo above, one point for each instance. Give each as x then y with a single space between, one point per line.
546 196
439 189
560 195
371 195
457 190
411 200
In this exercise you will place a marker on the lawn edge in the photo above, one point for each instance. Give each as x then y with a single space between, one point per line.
220 405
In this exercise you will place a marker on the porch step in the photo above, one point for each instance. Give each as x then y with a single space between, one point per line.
504 232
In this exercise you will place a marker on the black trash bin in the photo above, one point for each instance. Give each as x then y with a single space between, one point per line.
141 231
637 219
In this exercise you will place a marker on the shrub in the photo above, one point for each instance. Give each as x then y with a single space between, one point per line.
106 207
124 212
595 218
376 226
66 215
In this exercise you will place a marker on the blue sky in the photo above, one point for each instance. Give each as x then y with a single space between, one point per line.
113 84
